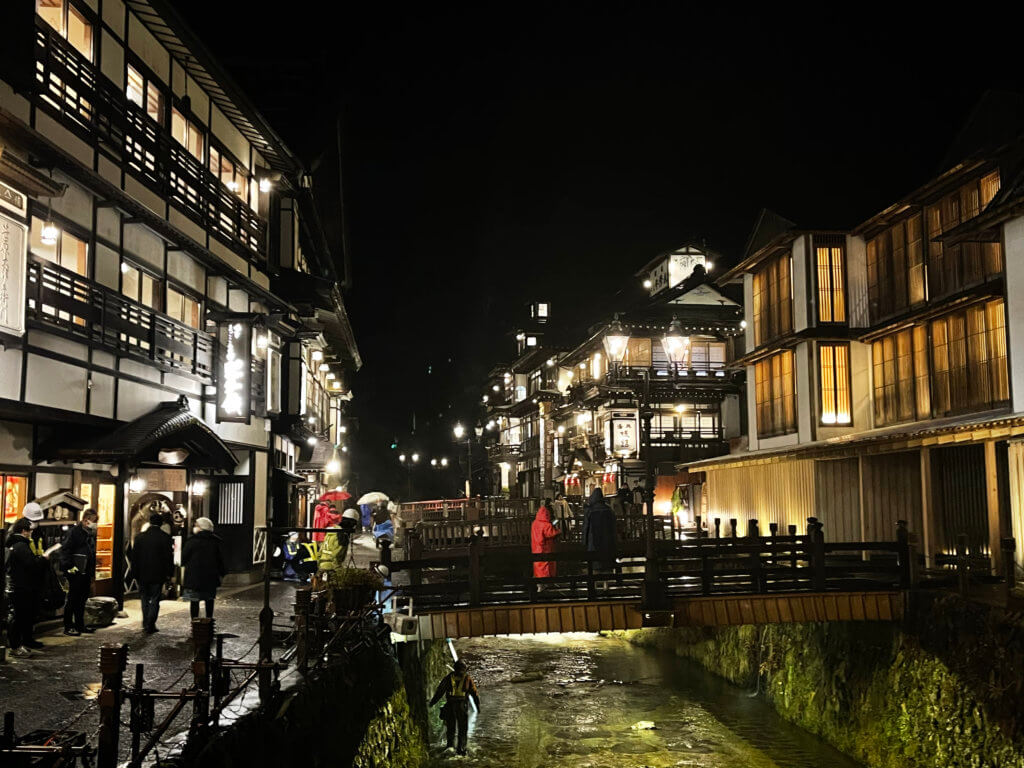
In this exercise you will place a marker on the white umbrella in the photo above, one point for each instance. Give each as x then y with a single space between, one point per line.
373 497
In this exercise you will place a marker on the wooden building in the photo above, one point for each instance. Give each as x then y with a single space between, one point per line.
880 371
162 344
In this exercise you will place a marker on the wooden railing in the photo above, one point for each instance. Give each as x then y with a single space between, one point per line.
70 88
751 564
63 301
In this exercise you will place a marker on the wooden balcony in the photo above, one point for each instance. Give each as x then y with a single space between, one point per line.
60 301
70 88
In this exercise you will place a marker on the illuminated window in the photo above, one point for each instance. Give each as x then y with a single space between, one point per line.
187 133
775 395
896 269
184 308
969 354
773 300
831 290
834 368
531 341
70 22
69 251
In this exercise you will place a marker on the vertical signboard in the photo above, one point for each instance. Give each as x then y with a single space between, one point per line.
234 371
12 276
622 428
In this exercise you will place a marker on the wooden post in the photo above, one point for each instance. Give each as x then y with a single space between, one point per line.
697 521
202 642
266 639
906 556
756 572
1009 546
814 530
995 526
773 531
718 527
113 661
136 700
963 574
303 599
474 571
117 551
707 573
793 558
929 522
733 523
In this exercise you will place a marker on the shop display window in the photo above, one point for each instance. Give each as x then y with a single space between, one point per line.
13 496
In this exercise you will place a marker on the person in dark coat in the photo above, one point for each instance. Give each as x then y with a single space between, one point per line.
204 567
599 531
152 565
456 688
26 588
78 564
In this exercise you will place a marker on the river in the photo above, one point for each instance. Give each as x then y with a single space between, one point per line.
554 701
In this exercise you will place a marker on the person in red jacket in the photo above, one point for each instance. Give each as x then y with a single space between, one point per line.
542 540
321 514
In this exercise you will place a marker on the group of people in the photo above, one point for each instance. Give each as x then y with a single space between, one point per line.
599 528
152 559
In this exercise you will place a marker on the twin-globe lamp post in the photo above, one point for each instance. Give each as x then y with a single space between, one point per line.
460 431
677 346
408 462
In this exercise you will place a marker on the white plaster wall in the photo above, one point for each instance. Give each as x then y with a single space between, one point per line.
142 371
101 396
75 203
229 136
856 282
17 105
1013 247
781 441
144 244
108 267
217 289
10 373
59 345
108 224
731 416
134 399
804 391
15 443
238 301
112 59
183 268
51 482
752 441
260 488
798 274
113 15
148 48
55 384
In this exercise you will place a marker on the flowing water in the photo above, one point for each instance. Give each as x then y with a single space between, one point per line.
583 701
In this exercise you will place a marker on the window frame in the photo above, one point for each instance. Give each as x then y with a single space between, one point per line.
147 271
86 14
766 397
189 293
834 345
831 243
149 82
773 311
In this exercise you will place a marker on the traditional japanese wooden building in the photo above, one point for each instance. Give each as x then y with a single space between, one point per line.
172 335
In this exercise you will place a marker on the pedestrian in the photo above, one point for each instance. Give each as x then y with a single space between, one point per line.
335 546
599 533
153 566
562 512
78 564
320 520
291 552
25 567
542 541
639 495
367 514
457 688
204 567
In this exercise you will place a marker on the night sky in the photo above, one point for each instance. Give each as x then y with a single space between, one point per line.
495 155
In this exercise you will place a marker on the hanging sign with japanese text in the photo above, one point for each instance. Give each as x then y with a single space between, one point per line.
233 385
12 276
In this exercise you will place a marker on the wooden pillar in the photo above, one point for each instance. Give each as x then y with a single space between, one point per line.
995 531
929 522
862 503
118 554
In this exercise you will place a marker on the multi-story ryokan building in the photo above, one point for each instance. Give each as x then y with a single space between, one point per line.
567 412
171 331
882 379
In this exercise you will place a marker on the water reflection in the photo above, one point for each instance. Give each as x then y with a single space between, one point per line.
576 700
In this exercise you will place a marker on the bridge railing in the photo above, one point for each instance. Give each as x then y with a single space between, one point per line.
751 564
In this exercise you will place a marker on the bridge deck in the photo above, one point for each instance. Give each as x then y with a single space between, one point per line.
710 611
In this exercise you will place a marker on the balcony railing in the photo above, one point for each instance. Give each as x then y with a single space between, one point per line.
90 105
63 301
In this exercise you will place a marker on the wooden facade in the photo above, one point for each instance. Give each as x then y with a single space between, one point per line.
146 207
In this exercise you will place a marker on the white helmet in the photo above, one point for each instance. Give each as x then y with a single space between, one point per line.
351 514
33 512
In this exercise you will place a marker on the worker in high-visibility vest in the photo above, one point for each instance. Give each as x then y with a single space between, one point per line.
308 559
457 688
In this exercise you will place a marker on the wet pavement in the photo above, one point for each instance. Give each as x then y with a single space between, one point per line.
581 701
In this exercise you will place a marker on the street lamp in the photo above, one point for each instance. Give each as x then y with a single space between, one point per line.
676 343
460 431
616 341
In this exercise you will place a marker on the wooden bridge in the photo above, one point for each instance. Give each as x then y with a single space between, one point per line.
478 590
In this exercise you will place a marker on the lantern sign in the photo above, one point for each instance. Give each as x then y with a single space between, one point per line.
623 432
233 390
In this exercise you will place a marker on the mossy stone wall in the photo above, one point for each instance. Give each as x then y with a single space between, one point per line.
942 691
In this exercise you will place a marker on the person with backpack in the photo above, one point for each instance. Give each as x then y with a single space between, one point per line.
457 688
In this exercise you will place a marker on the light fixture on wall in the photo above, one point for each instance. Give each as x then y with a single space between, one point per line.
50 232
324 367
317 355
331 376
333 467
136 484
311 440
198 487
262 342
265 185
172 455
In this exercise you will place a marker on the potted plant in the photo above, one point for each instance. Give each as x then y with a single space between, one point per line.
353 588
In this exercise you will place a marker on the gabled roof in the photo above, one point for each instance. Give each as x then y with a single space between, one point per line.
170 426
769 225
690 246
704 295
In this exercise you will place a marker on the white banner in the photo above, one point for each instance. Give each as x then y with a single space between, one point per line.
12 276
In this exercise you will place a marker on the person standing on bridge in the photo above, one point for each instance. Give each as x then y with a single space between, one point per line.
599 533
458 688
542 541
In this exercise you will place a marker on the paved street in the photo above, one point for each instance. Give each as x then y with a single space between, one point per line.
52 689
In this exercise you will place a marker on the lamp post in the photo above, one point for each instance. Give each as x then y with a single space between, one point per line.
460 431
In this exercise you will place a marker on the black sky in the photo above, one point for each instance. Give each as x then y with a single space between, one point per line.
496 154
